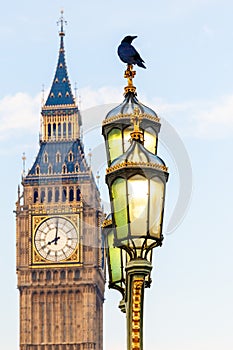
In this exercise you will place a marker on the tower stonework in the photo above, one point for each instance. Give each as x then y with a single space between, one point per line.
58 237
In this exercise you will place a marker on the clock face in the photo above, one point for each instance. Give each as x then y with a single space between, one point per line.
56 239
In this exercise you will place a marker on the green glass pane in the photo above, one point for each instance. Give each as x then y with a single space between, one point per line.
127 137
115 144
114 259
150 140
138 204
156 206
120 207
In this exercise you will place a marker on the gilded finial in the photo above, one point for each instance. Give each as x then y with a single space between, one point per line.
61 22
75 92
136 134
90 157
129 75
24 164
42 95
98 179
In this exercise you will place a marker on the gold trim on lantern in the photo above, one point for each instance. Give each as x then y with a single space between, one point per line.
129 115
136 164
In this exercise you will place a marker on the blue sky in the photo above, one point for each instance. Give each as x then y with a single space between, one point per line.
188 50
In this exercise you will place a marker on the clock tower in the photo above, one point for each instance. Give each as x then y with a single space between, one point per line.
58 239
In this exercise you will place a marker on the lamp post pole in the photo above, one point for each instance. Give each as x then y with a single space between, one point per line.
136 271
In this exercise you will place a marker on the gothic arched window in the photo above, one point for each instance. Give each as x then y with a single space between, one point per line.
54 129
41 276
70 157
64 130
37 170
69 130
35 196
71 195
76 168
78 194
46 159
34 276
76 274
58 157
64 194
59 129
57 195
63 275
49 130
50 169
42 196
48 275
50 195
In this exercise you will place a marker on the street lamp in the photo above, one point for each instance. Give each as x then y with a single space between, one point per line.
136 180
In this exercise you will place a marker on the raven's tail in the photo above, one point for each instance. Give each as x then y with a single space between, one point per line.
140 64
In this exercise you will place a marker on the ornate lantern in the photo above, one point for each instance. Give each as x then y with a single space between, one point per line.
136 182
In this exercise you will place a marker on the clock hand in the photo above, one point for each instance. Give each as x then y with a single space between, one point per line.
54 240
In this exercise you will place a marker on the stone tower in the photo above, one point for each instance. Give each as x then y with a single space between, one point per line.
58 216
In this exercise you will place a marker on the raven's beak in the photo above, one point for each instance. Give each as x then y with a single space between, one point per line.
134 37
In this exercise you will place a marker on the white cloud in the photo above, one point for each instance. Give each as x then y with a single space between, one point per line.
18 113
104 95
217 121
200 119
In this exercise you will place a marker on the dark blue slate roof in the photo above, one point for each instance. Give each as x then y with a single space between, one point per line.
61 93
56 155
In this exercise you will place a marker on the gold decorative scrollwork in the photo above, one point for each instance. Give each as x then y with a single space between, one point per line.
136 312
107 223
129 75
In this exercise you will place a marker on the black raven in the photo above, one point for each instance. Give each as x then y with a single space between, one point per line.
127 52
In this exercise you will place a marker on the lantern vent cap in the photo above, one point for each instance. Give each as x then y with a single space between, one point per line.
126 108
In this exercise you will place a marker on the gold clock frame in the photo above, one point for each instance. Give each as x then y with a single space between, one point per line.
37 261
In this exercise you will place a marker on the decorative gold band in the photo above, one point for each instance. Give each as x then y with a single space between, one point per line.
136 164
129 115
106 223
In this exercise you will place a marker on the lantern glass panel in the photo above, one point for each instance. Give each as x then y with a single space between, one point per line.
138 204
150 140
119 196
115 269
115 143
127 137
156 206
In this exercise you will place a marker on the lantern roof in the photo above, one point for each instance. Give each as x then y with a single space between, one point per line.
128 106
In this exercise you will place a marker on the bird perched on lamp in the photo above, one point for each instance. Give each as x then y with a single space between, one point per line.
128 54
